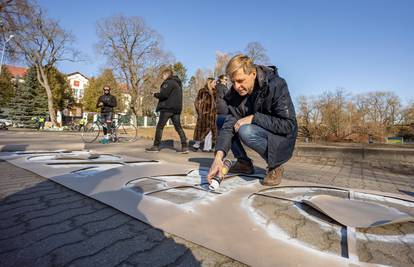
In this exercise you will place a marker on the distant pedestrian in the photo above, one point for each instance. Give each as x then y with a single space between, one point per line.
205 105
82 123
170 105
41 123
106 103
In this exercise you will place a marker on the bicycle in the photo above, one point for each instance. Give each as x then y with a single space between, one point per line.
74 126
119 131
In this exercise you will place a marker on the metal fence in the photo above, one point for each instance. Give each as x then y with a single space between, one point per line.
145 121
139 121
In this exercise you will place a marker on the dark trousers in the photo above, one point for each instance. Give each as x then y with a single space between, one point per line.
107 118
175 118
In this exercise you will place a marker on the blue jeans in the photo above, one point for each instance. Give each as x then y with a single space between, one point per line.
254 137
220 119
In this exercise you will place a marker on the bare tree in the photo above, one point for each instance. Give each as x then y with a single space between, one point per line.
303 116
221 62
9 11
201 76
408 114
381 111
257 53
40 42
151 82
131 48
335 115
5 3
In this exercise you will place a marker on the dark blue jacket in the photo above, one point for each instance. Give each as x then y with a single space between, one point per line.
273 111
170 96
221 104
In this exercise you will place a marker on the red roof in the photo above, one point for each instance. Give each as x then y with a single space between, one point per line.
76 72
16 72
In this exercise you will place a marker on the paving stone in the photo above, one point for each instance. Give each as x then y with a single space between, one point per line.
54 226
45 224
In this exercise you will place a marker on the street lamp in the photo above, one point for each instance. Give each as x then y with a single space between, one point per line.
2 52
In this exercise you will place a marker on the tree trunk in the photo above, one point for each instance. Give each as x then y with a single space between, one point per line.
43 80
135 100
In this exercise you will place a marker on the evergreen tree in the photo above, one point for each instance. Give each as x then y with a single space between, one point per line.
62 94
179 70
30 100
39 99
22 107
7 89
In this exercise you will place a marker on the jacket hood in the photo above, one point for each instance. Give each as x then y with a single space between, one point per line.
265 74
175 78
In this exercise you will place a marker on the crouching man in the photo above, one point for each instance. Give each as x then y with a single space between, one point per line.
261 116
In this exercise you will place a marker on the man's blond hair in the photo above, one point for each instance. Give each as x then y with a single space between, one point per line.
240 61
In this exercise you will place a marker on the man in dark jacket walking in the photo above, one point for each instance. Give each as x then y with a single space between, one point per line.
107 103
261 116
170 105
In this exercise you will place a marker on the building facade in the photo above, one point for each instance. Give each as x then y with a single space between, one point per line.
77 82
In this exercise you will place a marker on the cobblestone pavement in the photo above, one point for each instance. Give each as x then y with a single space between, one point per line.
349 174
45 224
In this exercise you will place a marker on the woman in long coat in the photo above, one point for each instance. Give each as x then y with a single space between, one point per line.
205 105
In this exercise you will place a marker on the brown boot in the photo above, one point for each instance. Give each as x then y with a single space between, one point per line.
242 166
274 176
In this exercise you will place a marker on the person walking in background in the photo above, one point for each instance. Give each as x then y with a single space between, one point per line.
205 105
106 103
170 105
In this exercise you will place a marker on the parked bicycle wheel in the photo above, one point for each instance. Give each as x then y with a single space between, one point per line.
126 133
90 132
74 127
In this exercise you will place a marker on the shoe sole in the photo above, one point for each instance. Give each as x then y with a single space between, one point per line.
245 173
272 184
277 182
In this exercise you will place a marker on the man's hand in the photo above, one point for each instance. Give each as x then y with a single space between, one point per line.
243 121
100 104
216 166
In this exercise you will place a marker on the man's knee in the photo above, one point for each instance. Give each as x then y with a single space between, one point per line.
246 132
160 126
